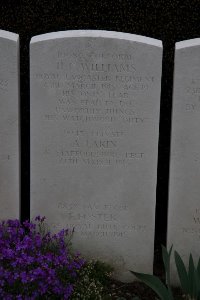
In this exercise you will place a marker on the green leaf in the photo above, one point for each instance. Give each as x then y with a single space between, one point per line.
196 284
155 284
182 273
198 267
191 276
166 259
166 256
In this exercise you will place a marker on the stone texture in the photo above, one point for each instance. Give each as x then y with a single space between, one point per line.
9 125
184 187
95 98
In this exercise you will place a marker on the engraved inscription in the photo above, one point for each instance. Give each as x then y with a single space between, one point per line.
193 92
195 222
95 93
94 219
3 84
5 157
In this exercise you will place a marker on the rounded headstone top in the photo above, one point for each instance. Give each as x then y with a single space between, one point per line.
188 43
96 34
9 35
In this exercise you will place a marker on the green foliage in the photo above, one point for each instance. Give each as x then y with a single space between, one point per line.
166 259
189 280
155 284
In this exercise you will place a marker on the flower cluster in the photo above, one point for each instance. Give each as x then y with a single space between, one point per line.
35 264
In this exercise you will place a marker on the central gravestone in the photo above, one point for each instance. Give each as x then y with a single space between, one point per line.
9 126
95 99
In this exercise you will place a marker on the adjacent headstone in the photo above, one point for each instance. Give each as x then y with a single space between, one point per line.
9 125
184 187
95 98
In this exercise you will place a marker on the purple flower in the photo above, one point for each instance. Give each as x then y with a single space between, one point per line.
23 277
28 225
34 262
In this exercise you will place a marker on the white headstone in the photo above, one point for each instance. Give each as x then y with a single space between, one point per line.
95 98
9 125
184 187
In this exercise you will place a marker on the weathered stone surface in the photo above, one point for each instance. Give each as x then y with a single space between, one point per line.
9 125
95 98
184 187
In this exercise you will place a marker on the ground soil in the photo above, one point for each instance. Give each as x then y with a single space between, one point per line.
128 291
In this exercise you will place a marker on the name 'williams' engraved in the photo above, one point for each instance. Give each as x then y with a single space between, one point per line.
98 67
